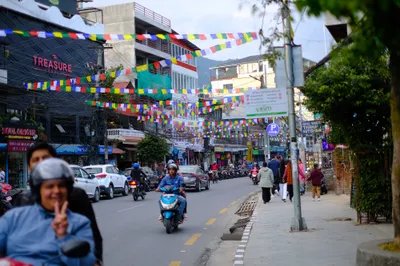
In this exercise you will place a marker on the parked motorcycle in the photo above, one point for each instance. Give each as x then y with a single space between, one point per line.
169 208
7 197
136 191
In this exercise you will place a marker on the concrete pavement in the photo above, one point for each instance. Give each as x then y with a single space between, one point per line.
133 236
329 240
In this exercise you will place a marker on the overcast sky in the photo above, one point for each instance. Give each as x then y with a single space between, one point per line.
218 16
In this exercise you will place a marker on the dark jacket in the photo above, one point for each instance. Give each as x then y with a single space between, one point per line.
137 175
80 203
274 166
316 177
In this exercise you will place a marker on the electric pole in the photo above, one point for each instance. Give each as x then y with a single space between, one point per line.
298 222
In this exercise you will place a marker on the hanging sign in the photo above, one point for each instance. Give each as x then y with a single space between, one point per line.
266 103
19 145
273 130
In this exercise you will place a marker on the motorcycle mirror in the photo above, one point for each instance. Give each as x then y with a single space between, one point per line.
76 249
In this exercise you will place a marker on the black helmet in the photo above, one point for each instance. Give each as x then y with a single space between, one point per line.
172 166
50 169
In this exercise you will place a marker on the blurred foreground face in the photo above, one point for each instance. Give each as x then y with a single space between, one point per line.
53 191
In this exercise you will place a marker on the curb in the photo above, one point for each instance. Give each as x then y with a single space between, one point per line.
239 255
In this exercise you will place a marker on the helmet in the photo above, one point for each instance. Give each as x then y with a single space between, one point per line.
136 166
171 161
50 169
172 166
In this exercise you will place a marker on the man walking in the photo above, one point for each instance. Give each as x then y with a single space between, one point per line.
316 180
274 166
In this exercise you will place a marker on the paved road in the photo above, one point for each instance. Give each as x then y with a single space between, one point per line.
133 235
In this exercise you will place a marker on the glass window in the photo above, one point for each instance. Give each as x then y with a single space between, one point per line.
84 174
77 172
243 69
109 170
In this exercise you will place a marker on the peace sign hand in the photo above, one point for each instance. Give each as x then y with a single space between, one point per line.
60 222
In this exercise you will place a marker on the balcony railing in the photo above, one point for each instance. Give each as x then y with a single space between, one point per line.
160 45
120 133
139 9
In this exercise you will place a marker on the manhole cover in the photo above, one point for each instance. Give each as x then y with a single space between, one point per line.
247 208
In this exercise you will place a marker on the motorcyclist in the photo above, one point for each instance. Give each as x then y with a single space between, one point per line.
34 234
174 180
215 169
138 176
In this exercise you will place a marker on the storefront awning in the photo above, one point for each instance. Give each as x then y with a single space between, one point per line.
117 151
130 148
131 140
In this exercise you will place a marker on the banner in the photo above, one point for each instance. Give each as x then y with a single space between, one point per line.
266 103
128 71
122 37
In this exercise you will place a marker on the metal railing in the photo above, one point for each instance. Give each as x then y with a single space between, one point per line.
160 45
152 15
125 132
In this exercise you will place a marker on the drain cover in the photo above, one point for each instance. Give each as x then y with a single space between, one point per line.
241 223
247 208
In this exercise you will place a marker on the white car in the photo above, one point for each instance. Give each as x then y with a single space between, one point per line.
86 182
110 181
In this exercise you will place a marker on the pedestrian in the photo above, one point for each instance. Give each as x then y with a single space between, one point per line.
302 178
2 176
274 165
266 178
288 179
316 177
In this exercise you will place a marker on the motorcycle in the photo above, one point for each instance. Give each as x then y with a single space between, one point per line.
7 197
136 191
254 177
169 208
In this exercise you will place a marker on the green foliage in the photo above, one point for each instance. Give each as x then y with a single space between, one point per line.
152 149
353 95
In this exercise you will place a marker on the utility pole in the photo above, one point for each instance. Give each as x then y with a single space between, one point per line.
298 222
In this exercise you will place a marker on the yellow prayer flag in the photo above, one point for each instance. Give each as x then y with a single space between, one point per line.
117 90
184 91
140 91
57 34
198 53
214 101
127 37
113 74
191 37
68 89
88 78
174 61
93 37
164 91
223 46
92 89
160 36
219 36
226 90
18 32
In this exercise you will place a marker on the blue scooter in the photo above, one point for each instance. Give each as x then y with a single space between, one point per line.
169 208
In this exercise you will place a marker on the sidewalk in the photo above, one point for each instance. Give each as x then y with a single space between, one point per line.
327 242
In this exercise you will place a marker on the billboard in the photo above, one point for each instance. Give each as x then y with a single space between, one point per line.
68 6
266 103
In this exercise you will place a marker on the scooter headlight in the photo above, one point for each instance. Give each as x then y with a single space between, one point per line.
168 206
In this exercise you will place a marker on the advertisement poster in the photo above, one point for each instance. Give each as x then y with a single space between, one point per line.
265 103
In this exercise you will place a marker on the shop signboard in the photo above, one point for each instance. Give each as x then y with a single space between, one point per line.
266 103
19 145
218 149
102 149
311 127
19 132
71 149
69 6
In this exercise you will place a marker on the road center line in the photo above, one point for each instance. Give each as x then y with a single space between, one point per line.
127 209
211 221
223 210
192 240
175 263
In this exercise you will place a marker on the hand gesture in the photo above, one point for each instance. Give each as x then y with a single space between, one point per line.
60 222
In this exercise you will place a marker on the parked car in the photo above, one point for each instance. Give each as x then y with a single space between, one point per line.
194 177
152 178
87 182
110 181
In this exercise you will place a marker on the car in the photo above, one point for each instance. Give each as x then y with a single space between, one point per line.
110 181
194 177
151 176
87 182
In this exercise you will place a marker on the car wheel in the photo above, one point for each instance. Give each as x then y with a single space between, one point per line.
126 190
208 185
198 187
110 193
96 197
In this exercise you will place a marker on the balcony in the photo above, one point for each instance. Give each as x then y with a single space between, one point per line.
159 48
126 136
151 19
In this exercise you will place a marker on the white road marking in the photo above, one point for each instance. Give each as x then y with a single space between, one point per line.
127 209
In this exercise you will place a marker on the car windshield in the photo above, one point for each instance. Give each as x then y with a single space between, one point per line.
94 170
187 169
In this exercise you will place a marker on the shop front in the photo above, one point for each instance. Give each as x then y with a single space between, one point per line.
227 155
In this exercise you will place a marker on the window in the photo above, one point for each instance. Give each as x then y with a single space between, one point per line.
77 172
84 174
109 170
243 69
228 86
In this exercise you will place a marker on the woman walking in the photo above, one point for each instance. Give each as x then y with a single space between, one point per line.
266 177
288 178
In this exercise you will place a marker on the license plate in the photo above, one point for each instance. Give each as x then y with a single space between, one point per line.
169 195
133 186
8 198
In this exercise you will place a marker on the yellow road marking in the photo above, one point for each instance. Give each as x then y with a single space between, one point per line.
175 263
233 203
223 210
211 221
192 240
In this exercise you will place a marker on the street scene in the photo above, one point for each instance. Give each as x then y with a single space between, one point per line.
213 133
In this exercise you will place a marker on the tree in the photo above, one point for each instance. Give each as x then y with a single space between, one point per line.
152 149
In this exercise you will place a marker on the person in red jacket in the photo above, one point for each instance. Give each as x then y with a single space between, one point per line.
316 180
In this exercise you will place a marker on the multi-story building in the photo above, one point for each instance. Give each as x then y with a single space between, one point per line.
338 28
29 116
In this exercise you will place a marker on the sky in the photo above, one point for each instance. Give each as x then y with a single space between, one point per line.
219 16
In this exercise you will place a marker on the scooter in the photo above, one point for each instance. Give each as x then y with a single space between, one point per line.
7 197
136 191
169 208
254 177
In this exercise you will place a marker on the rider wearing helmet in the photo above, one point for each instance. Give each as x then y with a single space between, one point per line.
174 180
138 175
44 227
